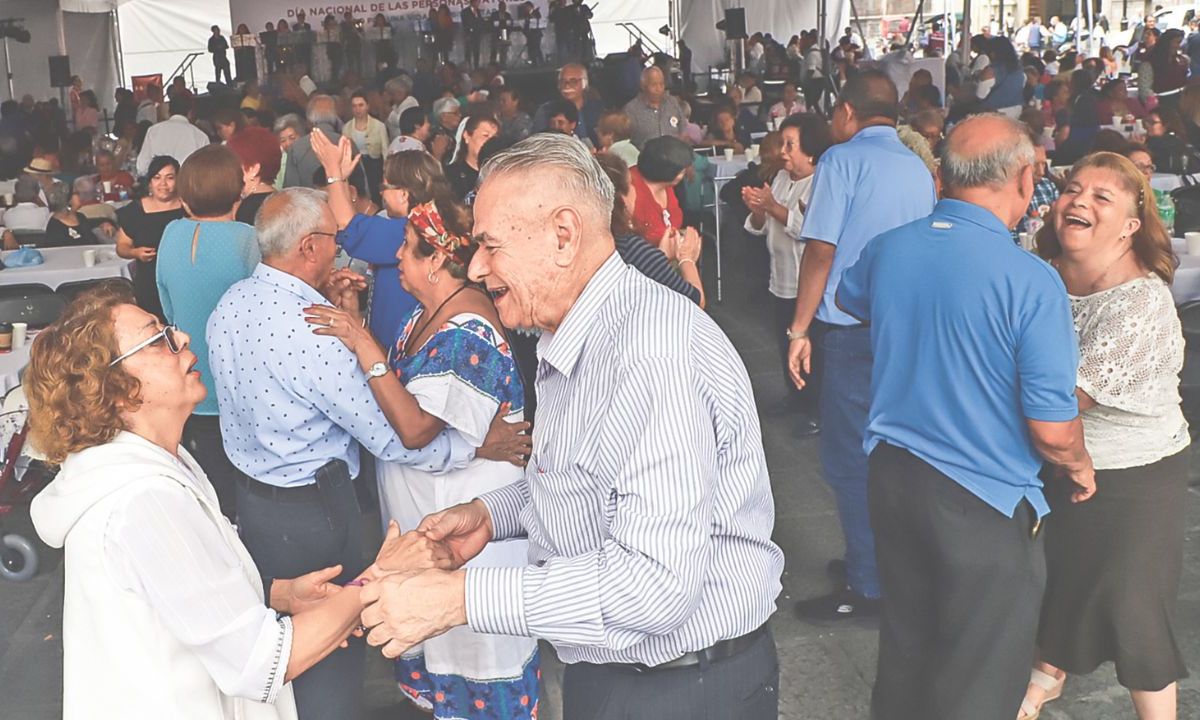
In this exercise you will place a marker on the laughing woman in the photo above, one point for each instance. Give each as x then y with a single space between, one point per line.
1113 562
451 367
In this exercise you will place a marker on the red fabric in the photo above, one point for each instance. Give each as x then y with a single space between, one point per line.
648 214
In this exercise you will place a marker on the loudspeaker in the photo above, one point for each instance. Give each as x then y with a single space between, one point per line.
60 71
735 24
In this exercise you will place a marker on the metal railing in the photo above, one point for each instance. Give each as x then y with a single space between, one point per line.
635 33
185 66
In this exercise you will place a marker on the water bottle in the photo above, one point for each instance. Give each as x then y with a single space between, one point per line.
1166 211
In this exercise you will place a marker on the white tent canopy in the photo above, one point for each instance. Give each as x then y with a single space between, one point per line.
781 18
87 31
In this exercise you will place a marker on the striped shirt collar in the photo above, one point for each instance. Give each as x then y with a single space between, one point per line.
561 349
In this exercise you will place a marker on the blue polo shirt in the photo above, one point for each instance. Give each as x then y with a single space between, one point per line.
863 187
971 335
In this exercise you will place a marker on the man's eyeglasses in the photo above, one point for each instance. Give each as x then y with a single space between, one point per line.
167 334
1145 168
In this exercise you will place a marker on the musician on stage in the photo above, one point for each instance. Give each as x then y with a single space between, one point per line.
501 22
473 26
531 18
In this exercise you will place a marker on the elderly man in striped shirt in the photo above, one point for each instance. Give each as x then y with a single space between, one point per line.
646 501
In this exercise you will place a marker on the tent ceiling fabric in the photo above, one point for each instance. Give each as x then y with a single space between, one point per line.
89 45
90 6
781 18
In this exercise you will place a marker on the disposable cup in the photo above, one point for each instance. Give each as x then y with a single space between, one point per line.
1193 242
89 258
107 187
18 335
729 153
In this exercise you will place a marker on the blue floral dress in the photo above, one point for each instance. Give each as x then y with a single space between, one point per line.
462 374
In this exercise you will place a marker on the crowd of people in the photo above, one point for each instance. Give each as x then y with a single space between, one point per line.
496 304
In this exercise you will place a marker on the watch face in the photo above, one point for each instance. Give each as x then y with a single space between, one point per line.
378 370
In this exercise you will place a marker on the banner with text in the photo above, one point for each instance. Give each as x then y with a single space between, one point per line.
257 13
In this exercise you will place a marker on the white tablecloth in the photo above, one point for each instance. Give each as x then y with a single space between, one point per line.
1186 287
65 264
727 169
11 365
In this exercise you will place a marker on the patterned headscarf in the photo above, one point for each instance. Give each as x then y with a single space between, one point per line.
427 222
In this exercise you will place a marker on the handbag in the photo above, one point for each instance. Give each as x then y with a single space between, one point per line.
1187 206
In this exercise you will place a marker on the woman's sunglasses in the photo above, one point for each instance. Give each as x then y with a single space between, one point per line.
167 334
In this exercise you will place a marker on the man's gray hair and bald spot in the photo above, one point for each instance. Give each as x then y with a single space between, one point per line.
286 217
317 116
582 176
995 166
400 82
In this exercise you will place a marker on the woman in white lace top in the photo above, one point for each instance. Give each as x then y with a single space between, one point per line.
1113 562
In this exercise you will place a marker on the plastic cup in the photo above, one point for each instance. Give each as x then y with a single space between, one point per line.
1193 242
728 154
18 334
755 148
8 199
107 187
89 258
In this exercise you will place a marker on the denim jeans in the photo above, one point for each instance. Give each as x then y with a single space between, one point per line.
844 400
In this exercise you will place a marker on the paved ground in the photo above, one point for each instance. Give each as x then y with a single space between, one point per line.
826 673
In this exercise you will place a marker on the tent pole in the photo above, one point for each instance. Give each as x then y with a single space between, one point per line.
8 71
118 52
965 50
61 27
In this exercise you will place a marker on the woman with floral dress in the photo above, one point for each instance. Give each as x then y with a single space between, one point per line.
451 367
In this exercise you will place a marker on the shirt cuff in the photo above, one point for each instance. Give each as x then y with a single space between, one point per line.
505 506
495 600
283 654
1048 414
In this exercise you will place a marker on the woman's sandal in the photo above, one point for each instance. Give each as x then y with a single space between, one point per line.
1048 684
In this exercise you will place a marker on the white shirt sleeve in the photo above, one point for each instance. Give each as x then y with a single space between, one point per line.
163 546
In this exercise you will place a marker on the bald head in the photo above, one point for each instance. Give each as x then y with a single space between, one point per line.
985 151
988 161
654 85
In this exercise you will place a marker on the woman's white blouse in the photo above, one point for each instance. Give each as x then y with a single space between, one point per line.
163 546
1130 355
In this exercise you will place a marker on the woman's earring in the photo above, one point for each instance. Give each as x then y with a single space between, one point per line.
433 279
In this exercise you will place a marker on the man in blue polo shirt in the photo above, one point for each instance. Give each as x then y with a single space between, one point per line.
866 185
972 388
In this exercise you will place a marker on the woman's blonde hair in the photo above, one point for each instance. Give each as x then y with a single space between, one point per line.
1151 243
75 397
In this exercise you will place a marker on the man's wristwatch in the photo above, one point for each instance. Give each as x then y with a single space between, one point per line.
796 334
377 370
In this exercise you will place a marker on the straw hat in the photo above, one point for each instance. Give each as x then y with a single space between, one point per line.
39 166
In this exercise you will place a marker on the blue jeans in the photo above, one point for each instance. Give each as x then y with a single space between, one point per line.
844 400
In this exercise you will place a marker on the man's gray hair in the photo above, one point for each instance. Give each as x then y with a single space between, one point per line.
281 228
291 120
319 116
401 83
582 177
995 166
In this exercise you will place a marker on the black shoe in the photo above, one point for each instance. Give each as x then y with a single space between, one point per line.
806 426
836 607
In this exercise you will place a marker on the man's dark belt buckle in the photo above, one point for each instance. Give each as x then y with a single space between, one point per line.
717 651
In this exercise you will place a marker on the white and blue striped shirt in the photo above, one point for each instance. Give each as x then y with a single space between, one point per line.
646 502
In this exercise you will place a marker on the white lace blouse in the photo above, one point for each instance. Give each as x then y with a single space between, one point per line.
1130 355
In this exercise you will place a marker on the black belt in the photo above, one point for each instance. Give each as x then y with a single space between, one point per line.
296 494
722 650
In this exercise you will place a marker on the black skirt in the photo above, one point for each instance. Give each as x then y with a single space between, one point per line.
1113 565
